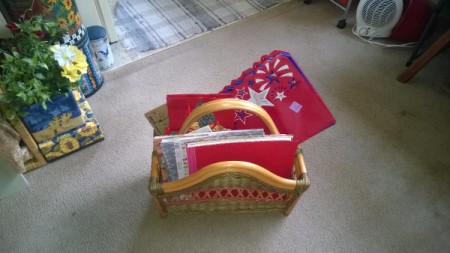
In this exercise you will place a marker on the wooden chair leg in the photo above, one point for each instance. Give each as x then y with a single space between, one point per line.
439 45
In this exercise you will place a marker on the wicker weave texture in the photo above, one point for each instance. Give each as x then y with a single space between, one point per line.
228 192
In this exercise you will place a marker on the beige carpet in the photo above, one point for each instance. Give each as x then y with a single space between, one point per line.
379 177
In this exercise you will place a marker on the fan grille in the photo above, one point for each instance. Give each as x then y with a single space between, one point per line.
378 13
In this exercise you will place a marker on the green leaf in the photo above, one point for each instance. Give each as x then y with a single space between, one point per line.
28 60
21 85
21 95
10 115
45 96
38 19
3 98
8 57
43 65
39 76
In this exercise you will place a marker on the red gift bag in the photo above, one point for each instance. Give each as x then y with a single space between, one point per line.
277 84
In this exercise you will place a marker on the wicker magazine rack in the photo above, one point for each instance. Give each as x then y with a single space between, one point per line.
233 186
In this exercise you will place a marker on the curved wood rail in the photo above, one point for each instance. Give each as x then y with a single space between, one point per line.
228 104
219 168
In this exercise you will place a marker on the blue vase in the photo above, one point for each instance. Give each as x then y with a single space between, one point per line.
62 114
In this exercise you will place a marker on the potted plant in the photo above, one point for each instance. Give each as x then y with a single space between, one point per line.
38 76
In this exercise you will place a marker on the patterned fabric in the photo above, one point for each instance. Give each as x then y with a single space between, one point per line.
68 142
68 17
66 12
75 38
93 80
152 24
61 115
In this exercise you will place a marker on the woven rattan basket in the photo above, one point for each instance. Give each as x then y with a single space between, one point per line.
233 186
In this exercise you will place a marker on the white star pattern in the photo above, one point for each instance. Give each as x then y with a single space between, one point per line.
280 96
273 71
259 98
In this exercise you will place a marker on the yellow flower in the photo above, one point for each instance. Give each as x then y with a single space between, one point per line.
52 1
80 56
80 61
77 19
70 72
62 22
68 4
81 67
71 60
71 16
89 129
68 145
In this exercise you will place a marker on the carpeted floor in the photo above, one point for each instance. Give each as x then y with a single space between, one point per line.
379 177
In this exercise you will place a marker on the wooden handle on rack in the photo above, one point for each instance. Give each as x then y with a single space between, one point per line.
228 104
226 169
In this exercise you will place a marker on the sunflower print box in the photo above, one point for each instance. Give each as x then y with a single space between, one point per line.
68 142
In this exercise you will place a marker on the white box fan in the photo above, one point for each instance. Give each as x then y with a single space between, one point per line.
377 18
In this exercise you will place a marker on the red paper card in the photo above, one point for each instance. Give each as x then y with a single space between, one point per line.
277 156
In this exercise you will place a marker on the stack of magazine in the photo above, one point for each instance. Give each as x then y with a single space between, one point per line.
184 154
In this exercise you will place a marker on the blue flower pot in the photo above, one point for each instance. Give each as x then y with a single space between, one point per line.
62 114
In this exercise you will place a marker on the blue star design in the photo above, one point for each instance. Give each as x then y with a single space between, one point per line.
240 93
241 115
292 84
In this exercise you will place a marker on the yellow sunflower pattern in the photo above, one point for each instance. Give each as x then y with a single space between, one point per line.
66 13
90 129
62 23
65 143
68 145
68 4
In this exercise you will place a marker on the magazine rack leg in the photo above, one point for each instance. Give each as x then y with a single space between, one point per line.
156 189
161 211
302 186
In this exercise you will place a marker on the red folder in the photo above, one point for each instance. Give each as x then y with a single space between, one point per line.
278 85
276 156
179 106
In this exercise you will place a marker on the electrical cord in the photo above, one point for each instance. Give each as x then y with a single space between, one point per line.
379 44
